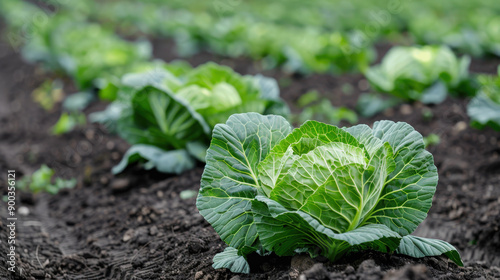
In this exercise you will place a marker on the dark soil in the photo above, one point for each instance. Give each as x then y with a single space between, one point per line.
135 225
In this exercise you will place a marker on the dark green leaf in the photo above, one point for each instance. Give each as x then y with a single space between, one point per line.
435 94
229 182
483 111
419 247
231 260
176 161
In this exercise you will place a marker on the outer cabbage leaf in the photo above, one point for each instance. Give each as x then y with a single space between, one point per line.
483 111
419 247
176 161
407 195
231 260
229 182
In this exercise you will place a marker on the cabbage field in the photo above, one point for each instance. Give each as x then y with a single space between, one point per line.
234 140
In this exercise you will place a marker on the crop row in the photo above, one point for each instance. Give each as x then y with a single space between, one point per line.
322 36
266 187
194 100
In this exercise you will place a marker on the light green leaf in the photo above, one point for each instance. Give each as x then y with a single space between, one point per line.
214 116
380 80
324 111
422 73
41 181
335 184
196 96
210 74
312 170
187 194
229 182
154 77
364 135
308 98
231 260
309 136
419 247
67 122
224 96
176 161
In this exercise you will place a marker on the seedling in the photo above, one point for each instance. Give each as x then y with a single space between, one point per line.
68 121
432 140
427 114
48 94
41 181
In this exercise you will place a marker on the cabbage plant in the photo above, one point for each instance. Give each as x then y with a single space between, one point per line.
484 108
167 113
85 51
318 189
426 74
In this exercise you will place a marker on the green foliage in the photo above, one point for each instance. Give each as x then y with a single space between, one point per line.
231 260
432 140
425 73
484 109
319 36
169 118
419 247
318 189
83 50
68 121
187 194
370 104
427 114
48 94
334 35
321 109
41 181
470 27
165 110
194 26
175 161
78 101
